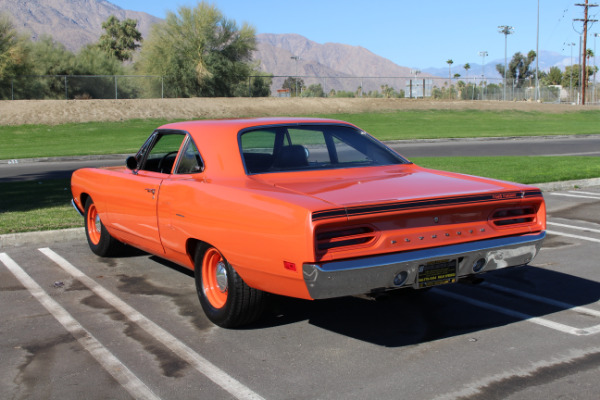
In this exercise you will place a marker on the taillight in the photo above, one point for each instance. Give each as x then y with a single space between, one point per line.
514 216
344 237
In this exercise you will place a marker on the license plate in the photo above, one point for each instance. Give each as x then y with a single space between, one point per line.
439 272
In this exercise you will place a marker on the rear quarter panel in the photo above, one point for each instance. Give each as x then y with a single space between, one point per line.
255 227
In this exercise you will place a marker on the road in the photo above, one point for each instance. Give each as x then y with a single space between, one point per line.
16 170
78 326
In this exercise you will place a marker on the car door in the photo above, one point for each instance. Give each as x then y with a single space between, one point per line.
179 210
132 204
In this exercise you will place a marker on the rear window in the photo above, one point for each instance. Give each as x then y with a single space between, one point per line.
312 147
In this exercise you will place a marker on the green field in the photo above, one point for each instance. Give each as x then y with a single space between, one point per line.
44 205
29 141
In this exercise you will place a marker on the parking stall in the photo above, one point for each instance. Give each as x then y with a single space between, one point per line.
77 325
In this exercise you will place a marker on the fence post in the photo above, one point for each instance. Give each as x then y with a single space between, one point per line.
116 91
162 87
66 89
12 88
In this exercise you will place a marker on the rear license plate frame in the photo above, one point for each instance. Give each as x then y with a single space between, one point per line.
437 272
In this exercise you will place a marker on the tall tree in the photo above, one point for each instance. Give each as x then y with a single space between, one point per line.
120 38
518 68
449 62
13 49
294 85
199 52
467 67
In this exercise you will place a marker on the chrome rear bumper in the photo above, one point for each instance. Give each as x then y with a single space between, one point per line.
363 275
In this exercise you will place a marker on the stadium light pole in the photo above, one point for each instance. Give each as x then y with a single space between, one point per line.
483 54
506 30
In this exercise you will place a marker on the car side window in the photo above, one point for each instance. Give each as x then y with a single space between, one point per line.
190 161
163 153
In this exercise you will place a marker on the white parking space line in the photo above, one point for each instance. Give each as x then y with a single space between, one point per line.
589 239
130 382
474 388
590 193
597 197
579 228
518 315
541 299
592 330
202 365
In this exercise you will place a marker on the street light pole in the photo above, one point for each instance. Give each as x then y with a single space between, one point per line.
506 30
571 74
595 67
537 54
483 54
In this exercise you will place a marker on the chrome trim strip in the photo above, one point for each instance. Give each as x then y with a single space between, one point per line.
359 276
75 207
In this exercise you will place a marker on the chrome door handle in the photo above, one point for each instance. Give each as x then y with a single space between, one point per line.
153 191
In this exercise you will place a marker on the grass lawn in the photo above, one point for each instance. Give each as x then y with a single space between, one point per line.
27 141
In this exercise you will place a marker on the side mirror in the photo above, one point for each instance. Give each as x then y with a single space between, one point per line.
131 163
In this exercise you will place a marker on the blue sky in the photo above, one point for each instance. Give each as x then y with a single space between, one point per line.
410 33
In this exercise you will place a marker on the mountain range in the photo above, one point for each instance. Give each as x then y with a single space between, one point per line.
76 23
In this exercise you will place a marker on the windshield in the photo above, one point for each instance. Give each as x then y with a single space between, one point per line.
311 147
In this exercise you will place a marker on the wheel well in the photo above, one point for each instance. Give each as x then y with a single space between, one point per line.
83 198
192 246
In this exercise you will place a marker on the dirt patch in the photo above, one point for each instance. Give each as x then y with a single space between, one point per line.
54 112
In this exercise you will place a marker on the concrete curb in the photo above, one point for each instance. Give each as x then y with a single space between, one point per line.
41 237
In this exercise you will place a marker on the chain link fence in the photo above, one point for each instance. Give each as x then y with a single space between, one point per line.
71 87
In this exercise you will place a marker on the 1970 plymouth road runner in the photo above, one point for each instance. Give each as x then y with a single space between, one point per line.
302 207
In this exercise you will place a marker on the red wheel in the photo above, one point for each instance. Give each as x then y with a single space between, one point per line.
225 298
99 240
93 224
214 272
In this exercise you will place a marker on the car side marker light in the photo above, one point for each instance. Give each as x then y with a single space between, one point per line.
290 266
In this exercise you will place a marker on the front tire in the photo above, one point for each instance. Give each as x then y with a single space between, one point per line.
98 238
225 298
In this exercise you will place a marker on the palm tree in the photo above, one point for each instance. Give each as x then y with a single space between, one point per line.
589 53
467 67
449 62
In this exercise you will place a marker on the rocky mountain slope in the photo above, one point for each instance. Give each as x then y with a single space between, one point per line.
76 23
73 23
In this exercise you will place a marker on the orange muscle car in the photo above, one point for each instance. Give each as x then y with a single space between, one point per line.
302 207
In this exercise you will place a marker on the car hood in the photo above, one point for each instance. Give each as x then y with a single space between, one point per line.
384 184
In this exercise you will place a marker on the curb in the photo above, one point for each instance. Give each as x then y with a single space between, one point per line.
72 234
39 237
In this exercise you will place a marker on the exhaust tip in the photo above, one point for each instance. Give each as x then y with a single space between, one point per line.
479 264
401 278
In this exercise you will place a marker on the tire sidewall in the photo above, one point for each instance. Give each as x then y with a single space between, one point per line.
101 248
220 316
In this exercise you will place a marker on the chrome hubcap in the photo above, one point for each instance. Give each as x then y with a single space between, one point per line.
97 223
222 277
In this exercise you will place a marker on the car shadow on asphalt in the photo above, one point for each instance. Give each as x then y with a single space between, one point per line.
407 317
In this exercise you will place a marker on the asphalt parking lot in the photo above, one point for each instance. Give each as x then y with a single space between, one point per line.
78 326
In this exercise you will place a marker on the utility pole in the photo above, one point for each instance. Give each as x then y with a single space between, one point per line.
585 21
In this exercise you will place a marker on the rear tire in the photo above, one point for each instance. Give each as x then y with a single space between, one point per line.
98 238
225 298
